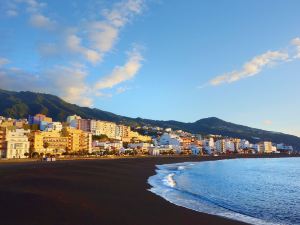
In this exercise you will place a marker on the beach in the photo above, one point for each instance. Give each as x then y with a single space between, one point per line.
88 192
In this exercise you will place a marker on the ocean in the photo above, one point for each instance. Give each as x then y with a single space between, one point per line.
256 191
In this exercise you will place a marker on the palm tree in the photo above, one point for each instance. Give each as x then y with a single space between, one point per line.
46 145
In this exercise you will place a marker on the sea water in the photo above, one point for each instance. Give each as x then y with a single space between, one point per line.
256 191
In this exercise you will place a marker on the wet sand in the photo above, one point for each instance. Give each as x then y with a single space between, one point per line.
88 192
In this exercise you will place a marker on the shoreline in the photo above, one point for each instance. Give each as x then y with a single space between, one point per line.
200 158
88 192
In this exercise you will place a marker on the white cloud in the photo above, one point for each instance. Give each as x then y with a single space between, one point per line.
89 40
258 63
296 43
70 84
122 12
122 73
34 9
251 68
67 82
73 43
103 34
3 61
41 21
93 39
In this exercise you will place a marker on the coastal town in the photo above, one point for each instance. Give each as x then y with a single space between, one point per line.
39 136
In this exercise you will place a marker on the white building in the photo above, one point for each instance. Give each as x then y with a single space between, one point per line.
108 145
17 144
195 150
160 150
284 148
93 126
229 146
208 145
168 129
141 146
170 139
154 151
54 126
244 144
219 146
256 148
224 145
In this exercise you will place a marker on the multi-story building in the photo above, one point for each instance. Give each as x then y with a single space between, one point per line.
265 146
93 126
170 139
106 128
186 142
73 121
220 146
2 141
49 142
53 142
255 147
122 132
117 145
236 144
208 145
225 145
244 144
17 144
140 146
84 124
54 126
79 140
284 148
38 118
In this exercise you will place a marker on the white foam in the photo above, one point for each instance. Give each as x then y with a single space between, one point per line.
181 167
169 181
164 185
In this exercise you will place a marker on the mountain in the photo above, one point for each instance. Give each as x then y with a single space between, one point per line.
21 104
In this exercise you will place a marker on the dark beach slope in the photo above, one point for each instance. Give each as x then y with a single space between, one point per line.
107 192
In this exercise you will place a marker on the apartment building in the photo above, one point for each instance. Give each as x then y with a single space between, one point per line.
106 128
265 146
2 142
17 144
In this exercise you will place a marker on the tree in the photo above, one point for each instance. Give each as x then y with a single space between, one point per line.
101 137
46 145
35 155
26 154
125 144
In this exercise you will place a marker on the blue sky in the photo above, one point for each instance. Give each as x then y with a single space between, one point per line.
159 59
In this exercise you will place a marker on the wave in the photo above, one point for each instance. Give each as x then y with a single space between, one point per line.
164 185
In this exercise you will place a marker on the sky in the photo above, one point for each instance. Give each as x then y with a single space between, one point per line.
159 59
